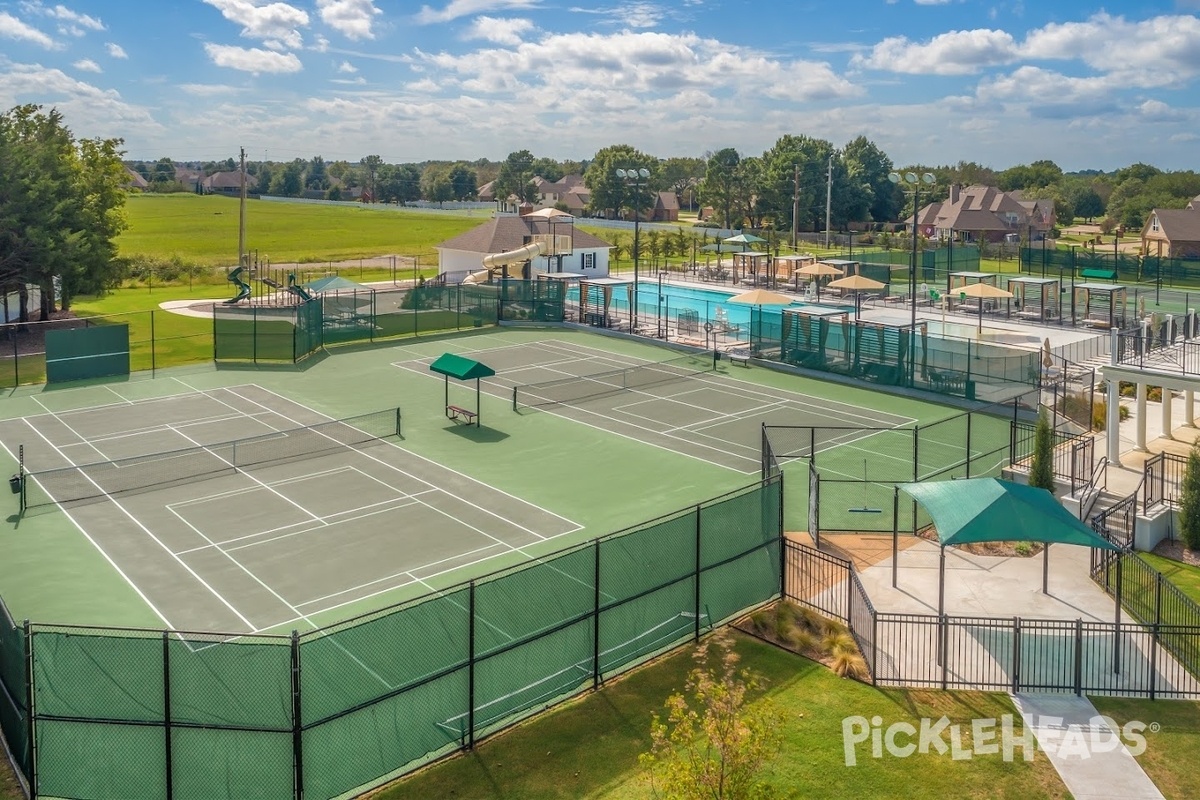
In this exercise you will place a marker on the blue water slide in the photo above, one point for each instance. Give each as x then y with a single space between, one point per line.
235 277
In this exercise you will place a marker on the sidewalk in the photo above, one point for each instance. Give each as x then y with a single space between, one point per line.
1079 745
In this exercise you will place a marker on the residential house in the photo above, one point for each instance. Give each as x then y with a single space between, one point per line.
1173 232
229 183
463 254
486 193
134 180
983 213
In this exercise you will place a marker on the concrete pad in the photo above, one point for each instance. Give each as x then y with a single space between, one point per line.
1078 743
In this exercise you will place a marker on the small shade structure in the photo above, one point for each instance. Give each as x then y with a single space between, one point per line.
983 291
759 298
450 365
818 270
335 283
857 284
993 510
744 238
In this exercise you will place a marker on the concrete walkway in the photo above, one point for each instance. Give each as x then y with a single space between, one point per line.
1079 745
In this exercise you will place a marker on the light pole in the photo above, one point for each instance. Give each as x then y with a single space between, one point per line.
637 179
911 179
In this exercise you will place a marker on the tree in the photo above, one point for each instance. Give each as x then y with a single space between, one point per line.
682 176
1088 204
1189 501
463 182
1041 468
867 169
722 184
713 744
610 193
514 177
371 165
289 181
547 168
61 208
315 177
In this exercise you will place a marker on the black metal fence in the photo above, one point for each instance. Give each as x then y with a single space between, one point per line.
1074 453
1014 654
1163 480
112 714
1169 345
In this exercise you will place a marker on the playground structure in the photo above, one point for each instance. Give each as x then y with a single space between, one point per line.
260 284
526 253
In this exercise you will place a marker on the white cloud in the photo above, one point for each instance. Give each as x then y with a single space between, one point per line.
320 43
87 65
358 81
75 21
252 59
639 15
1158 111
498 30
347 67
467 8
89 110
953 53
115 50
351 18
208 89
13 28
272 22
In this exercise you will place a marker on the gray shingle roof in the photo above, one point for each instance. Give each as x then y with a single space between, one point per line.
501 234
1179 224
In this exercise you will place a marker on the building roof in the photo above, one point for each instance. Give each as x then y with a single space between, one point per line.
978 208
668 201
504 233
1177 224
134 180
228 180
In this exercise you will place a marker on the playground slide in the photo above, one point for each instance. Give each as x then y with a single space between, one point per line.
297 289
513 256
243 288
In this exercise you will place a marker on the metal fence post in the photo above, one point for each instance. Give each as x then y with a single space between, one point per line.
31 726
943 660
874 645
153 362
1153 660
1078 656
297 722
968 454
698 563
1117 623
596 616
470 739
1016 656
1158 579
166 662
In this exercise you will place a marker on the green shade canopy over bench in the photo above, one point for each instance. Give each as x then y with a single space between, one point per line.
980 510
461 368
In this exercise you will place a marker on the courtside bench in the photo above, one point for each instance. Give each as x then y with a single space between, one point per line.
460 414
739 357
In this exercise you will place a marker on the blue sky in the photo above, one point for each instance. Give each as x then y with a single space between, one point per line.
930 81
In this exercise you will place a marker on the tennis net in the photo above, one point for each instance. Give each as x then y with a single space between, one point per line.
96 481
600 384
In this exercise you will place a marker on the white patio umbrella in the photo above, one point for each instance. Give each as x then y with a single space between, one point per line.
981 292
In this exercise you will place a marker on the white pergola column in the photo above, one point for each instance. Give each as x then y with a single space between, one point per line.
1166 413
1140 442
1112 425
1189 415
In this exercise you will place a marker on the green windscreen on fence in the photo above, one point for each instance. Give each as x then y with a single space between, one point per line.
96 351
124 714
13 722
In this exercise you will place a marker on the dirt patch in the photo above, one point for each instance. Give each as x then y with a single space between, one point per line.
30 338
995 549
864 549
1177 552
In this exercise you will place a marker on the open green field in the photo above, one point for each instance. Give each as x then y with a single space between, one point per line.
589 748
204 230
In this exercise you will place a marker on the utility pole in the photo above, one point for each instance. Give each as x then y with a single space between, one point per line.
828 198
242 215
795 200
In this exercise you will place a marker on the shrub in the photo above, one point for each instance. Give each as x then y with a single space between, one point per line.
1041 469
1153 393
1100 414
1189 502
849 665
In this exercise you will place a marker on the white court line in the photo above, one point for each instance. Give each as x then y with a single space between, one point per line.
99 549
82 439
150 533
436 465
391 505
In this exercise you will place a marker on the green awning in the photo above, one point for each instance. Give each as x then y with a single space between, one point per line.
994 510
335 283
464 369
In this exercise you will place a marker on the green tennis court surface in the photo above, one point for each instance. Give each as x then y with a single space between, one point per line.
683 404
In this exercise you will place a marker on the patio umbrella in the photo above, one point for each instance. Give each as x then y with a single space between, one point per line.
1047 360
856 284
981 292
760 298
744 238
817 271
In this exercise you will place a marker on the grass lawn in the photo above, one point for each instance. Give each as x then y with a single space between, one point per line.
1170 753
1185 577
589 748
204 230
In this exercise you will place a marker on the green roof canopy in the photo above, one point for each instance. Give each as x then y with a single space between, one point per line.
464 369
334 283
994 510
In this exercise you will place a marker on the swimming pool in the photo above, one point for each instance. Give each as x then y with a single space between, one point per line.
709 305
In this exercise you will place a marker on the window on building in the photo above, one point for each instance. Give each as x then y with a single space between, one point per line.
587 260
1154 223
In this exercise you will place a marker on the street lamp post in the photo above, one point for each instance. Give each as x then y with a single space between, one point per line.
912 180
637 179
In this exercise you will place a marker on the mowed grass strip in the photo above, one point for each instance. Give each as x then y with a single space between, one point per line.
1169 759
204 230
1185 576
589 748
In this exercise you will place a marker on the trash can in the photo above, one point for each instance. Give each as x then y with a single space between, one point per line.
14 483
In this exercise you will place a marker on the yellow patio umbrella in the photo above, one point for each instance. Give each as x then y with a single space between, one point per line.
817 271
856 284
760 298
981 292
